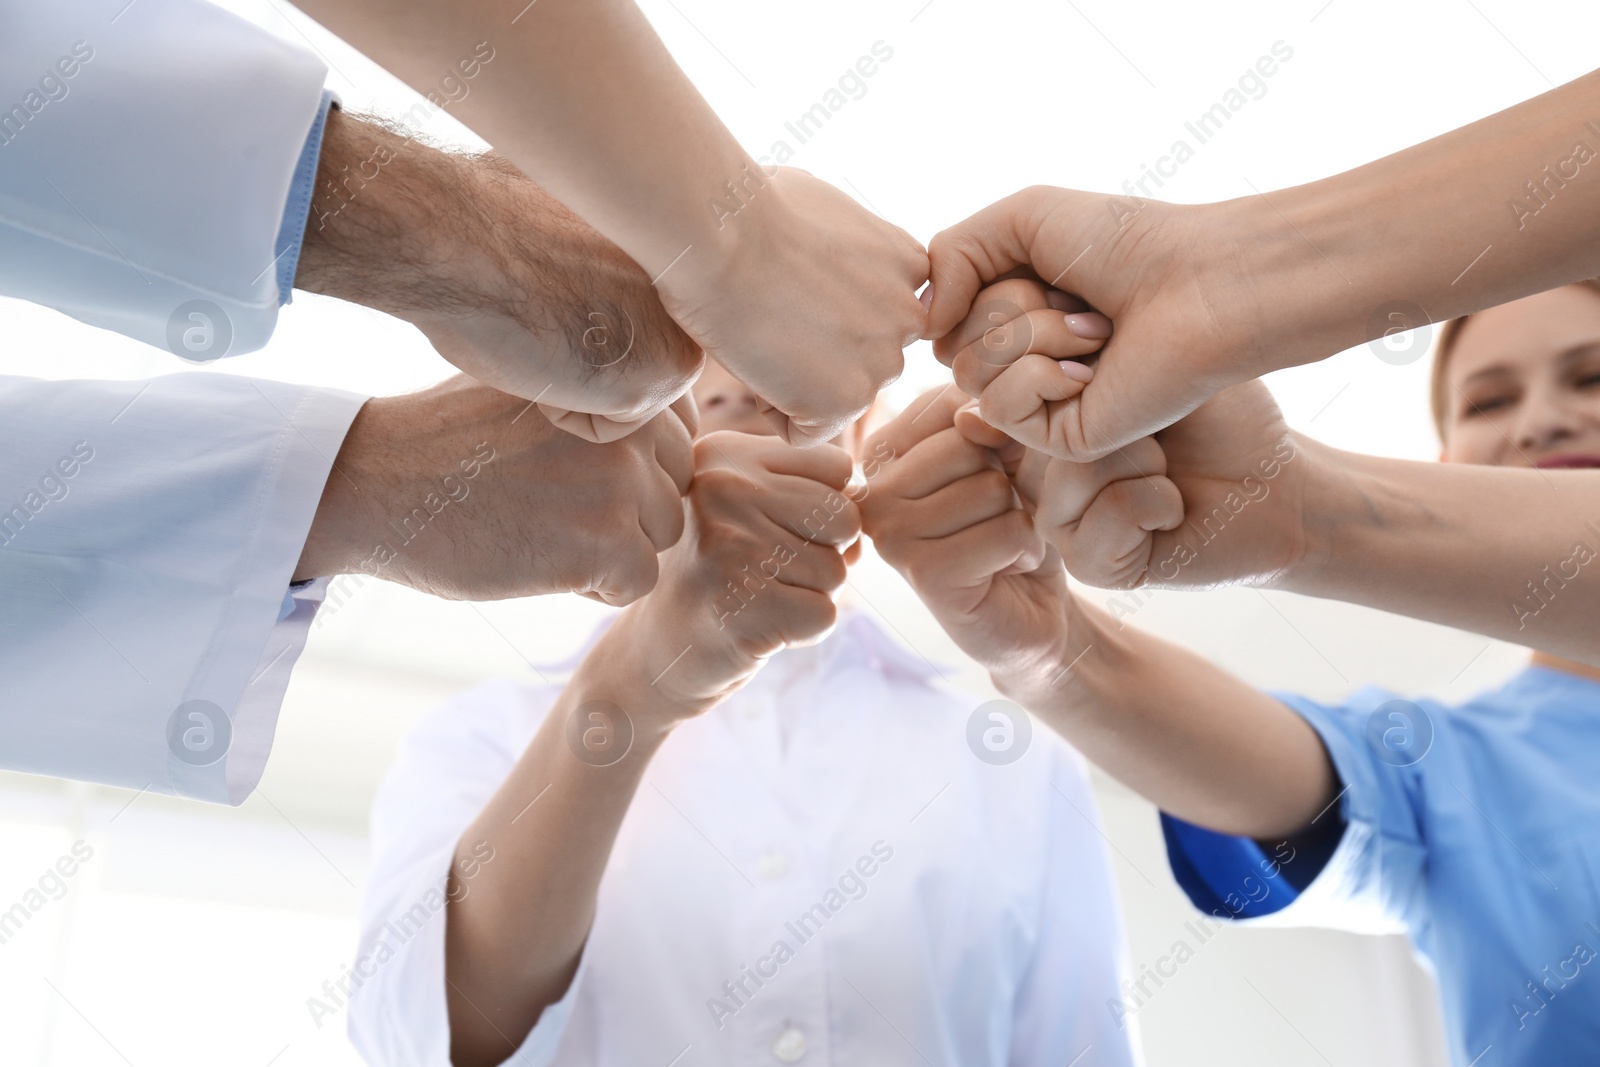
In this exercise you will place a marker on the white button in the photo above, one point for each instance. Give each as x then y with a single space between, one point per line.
773 865
790 1046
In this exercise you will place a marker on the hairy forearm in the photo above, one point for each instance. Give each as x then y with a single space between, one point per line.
581 95
1488 213
1181 732
1511 554
419 233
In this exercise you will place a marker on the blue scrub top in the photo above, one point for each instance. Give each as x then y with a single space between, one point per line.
1475 830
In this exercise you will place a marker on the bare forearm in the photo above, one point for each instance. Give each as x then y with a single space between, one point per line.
581 95
513 942
1488 213
1511 554
1181 732
408 229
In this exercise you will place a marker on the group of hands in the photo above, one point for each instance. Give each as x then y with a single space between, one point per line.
1040 457
984 527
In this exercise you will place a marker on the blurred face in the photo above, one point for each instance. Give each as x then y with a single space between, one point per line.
726 403
1523 384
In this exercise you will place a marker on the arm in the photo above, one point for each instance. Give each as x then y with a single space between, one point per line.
128 195
505 282
764 268
1505 553
1485 214
184 498
459 492
1189 737
513 944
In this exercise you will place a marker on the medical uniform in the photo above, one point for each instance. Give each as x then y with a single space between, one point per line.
156 166
1473 829
932 907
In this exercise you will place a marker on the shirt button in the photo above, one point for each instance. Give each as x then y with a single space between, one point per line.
790 1046
773 865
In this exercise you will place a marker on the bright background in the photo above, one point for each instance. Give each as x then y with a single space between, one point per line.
195 934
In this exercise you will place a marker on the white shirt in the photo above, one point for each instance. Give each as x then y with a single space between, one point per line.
148 530
146 155
980 927
148 534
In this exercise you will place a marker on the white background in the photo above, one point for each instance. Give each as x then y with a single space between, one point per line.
195 935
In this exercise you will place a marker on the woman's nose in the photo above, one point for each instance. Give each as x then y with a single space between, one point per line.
1546 420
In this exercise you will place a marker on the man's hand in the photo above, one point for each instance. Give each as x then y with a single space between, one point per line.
805 296
1217 498
943 513
504 281
465 492
757 569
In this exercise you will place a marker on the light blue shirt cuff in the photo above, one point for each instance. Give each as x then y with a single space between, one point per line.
297 211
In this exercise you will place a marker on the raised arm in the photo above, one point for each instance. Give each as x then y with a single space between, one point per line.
513 943
782 278
1230 495
1239 498
506 283
1184 734
1207 296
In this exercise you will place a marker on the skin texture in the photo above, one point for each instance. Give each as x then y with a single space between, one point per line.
788 282
505 282
1190 738
465 492
1209 296
512 945
1230 495
1409 537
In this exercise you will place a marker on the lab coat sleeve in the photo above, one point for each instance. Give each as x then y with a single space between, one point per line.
147 152
448 767
1064 1008
1365 873
148 534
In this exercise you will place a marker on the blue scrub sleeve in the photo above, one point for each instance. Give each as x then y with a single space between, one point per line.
297 211
1364 854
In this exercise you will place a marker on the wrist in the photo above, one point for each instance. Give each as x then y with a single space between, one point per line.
732 233
1051 678
1335 501
634 667
1287 270
341 530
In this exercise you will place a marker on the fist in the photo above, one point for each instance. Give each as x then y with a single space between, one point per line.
944 513
1018 352
762 557
464 492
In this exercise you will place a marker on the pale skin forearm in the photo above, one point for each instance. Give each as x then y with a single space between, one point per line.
513 941
1179 731
1511 554
1433 225
582 97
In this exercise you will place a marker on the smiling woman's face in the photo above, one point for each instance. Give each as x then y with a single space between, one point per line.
1523 383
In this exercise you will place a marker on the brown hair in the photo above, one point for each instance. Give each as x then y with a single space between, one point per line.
1449 332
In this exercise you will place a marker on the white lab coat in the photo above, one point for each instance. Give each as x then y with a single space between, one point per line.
148 530
155 174
148 535
987 934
